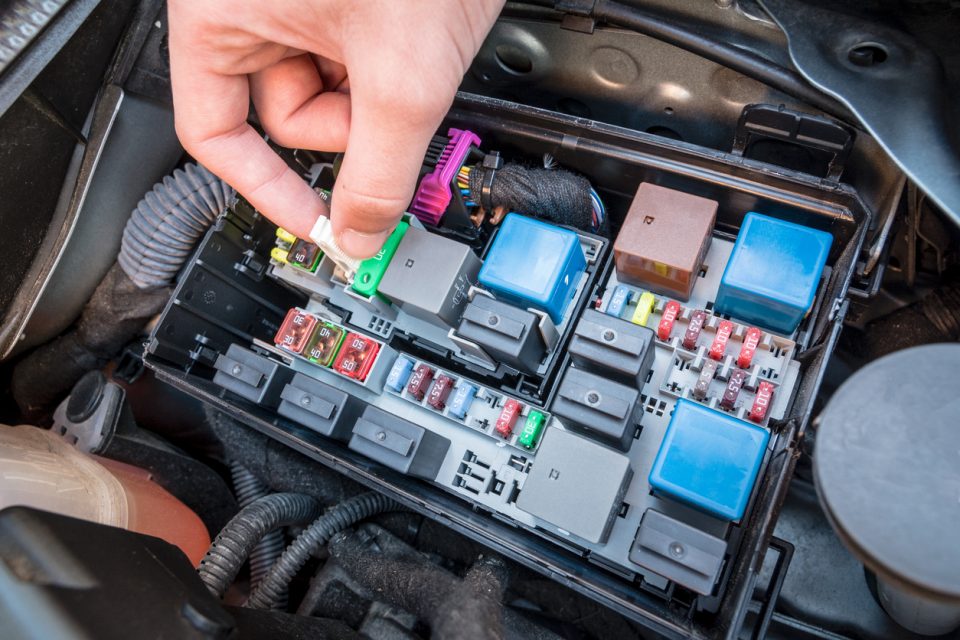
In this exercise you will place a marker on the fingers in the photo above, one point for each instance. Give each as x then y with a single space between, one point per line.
388 139
210 111
296 106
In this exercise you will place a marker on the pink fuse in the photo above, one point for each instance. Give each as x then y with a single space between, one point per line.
751 340
670 312
720 341
508 417
692 334
762 402
295 331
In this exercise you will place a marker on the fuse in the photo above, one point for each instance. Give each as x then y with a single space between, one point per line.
750 341
761 402
618 301
670 312
356 356
702 386
724 329
279 254
463 397
419 381
439 392
304 255
295 330
692 334
371 270
644 307
399 374
285 236
734 384
508 417
532 429
323 344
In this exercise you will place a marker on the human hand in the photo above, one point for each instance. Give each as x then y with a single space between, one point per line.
371 77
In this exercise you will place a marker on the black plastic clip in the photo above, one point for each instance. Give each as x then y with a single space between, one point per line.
491 162
823 136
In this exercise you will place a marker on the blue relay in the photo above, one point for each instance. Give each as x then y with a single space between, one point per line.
709 460
773 272
534 264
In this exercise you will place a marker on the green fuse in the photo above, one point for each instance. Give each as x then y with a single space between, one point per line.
324 344
532 430
371 270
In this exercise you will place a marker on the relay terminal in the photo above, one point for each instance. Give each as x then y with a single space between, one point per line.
610 386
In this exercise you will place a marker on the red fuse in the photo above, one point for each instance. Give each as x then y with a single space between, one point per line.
751 339
690 337
356 356
508 417
295 330
439 392
720 341
670 312
762 402
419 381
734 384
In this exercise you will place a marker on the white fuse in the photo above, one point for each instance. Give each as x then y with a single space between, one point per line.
322 236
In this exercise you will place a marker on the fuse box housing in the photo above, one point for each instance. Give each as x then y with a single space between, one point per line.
480 481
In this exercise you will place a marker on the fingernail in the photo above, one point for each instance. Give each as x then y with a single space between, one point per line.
362 245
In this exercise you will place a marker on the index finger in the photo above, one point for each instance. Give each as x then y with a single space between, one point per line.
210 111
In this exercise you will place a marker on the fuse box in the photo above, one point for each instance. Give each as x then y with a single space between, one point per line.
519 383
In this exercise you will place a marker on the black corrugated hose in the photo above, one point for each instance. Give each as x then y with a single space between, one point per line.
344 515
233 544
248 488
157 241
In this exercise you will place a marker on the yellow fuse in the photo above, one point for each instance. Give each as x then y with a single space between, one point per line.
286 236
279 254
644 307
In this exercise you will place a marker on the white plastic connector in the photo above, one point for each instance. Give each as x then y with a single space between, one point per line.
322 236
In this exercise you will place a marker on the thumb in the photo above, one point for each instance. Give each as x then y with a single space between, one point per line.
385 149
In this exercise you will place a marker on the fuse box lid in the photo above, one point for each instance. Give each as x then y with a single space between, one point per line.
709 460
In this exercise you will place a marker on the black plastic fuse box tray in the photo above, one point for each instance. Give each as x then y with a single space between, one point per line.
226 298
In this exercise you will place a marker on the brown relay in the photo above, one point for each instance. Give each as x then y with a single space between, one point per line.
664 239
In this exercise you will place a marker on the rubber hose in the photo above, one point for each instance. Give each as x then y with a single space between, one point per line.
315 537
248 488
167 223
159 236
233 544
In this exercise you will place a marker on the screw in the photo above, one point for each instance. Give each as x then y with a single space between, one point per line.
237 369
593 398
677 550
305 400
609 335
493 320
381 435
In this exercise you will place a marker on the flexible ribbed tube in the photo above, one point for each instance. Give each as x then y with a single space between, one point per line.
248 488
167 223
316 536
233 544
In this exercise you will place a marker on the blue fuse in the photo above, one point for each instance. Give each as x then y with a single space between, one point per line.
462 398
399 374
618 301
